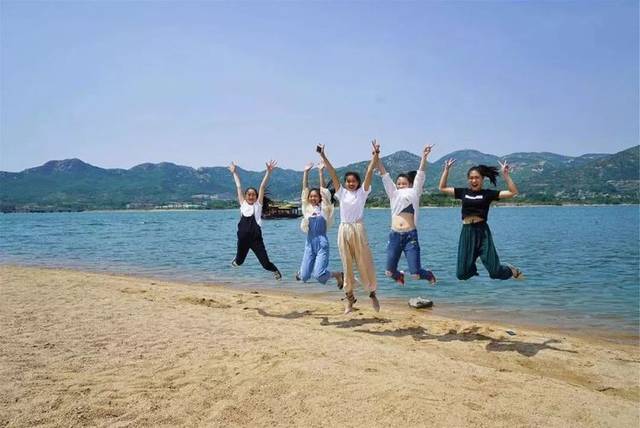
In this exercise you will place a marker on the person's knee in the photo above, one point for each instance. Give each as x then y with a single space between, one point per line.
388 273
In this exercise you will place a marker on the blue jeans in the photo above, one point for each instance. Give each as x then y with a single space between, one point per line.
315 261
407 242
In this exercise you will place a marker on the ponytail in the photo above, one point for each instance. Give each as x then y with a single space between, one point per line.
410 176
490 172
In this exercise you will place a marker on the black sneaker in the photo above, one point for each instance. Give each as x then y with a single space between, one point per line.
277 275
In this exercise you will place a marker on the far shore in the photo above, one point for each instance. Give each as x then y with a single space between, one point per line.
498 205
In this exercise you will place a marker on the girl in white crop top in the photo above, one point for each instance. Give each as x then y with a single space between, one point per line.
404 196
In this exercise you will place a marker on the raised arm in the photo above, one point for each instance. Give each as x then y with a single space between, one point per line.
379 165
305 176
425 154
233 168
271 165
418 183
445 176
506 173
375 157
330 169
321 175
387 182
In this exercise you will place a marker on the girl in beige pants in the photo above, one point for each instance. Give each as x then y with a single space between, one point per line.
352 237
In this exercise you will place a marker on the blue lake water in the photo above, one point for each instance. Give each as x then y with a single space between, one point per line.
581 263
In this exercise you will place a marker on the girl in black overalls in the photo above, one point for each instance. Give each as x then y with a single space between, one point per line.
249 227
475 237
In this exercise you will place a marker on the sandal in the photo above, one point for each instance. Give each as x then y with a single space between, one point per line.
516 273
431 278
374 301
400 279
351 300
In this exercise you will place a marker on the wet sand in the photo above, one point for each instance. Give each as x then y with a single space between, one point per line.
79 348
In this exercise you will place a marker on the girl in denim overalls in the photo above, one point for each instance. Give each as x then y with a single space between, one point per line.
317 210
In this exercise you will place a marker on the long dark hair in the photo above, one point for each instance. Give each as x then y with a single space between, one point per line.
355 175
410 176
490 172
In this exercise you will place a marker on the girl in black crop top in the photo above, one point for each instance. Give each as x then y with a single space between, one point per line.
475 237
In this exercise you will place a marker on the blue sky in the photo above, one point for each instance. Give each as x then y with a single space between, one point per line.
203 83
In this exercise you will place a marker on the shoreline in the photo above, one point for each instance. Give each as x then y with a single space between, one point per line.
444 311
91 349
330 295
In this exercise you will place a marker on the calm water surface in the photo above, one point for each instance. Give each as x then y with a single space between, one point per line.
581 263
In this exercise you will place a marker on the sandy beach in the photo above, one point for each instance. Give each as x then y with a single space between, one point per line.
87 349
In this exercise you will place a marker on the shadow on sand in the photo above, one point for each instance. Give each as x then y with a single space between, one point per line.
528 349
419 333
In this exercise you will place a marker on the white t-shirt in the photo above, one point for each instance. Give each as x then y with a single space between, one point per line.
352 204
254 209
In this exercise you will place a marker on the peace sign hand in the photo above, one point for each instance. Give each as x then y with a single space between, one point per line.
505 168
376 147
427 150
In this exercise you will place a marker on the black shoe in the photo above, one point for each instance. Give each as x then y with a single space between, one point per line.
277 275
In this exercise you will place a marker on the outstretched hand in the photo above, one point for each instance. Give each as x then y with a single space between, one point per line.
233 167
505 168
449 163
320 149
320 166
308 166
271 165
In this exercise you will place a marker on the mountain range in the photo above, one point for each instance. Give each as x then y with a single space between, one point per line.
72 184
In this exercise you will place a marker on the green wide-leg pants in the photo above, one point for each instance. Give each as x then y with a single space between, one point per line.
476 241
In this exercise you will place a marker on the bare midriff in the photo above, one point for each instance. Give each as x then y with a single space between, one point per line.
403 222
472 219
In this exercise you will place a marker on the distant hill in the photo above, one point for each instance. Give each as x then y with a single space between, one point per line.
72 184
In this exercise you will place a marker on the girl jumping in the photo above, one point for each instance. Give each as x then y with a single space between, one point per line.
404 196
249 227
475 237
317 210
352 236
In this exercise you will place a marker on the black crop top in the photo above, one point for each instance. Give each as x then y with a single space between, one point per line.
476 203
408 209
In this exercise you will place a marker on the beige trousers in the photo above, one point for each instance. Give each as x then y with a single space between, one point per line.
354 246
